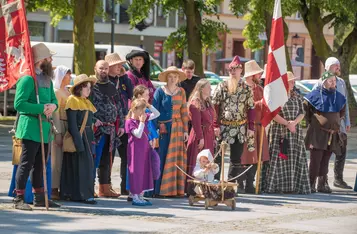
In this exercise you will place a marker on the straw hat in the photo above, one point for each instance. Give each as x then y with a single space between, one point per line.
41 51
80 79
252 68
172 69
114 59
291 76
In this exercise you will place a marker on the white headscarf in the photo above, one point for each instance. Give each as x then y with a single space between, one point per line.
59 74
331 61
207 153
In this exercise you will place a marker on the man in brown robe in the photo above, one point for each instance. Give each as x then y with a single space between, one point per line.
324 106
252 78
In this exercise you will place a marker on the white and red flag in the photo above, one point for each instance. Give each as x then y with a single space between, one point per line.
276 80
15 49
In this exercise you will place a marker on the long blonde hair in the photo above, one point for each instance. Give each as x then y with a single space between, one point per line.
137 104
196 97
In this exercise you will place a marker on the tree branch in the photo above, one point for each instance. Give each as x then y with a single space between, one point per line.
304 11
328 18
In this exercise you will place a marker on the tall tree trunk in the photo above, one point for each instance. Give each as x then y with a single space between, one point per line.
83 36
194 21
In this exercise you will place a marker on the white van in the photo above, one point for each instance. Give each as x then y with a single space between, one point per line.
65 51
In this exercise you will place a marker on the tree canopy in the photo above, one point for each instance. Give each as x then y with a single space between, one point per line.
199 34
316 14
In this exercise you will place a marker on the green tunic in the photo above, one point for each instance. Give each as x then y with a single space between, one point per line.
26 104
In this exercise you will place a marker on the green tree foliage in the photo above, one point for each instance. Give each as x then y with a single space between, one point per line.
82 12
316 14
197 35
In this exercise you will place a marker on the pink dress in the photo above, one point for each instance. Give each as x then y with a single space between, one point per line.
202 128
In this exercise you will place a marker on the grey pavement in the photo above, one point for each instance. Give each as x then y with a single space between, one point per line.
316 213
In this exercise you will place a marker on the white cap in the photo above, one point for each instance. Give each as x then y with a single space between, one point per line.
331 61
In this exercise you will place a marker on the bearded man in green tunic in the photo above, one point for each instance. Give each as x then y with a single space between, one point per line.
28 126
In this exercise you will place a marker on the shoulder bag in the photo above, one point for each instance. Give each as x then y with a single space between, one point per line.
68 143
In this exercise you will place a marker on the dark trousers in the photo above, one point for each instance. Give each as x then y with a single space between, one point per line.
104 165
122 149
235 167
319 161
30 164
340 162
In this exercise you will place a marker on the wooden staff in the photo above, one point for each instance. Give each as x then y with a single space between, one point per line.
42 148
223 149
259 159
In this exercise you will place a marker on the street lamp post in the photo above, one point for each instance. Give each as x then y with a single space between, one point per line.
113 24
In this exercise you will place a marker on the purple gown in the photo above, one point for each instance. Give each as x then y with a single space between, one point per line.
139 161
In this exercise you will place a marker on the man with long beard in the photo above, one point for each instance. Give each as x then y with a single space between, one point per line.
109 126
234 105
325 107
333 65
28 126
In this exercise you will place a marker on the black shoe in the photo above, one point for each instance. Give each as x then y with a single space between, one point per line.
20 204
90 202
129 199
39 201
341 184
250 189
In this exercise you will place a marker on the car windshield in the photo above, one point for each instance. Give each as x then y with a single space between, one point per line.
213 78
309 85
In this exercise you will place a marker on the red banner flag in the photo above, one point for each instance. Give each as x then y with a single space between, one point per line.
276 81
15 48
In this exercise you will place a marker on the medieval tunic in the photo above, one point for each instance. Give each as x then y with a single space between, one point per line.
324 110
77 181
202 128
125 88
28 130
106 100
235 114
139 79
288 175
252 157
60 122
172 150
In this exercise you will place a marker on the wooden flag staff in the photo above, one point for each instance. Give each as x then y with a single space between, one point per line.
257 184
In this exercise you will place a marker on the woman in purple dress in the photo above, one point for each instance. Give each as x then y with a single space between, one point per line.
139 150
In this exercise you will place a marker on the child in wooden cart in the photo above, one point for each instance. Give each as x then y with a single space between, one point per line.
204 172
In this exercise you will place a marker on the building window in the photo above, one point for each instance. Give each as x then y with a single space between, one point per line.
298 16
37 30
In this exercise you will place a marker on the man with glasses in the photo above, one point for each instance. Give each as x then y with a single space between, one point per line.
234 105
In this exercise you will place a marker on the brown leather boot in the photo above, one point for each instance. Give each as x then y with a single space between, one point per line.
55 194
113 191
104 191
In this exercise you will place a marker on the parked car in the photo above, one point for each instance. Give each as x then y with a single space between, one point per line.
302 88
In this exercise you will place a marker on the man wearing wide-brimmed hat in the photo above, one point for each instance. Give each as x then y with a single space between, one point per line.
252 78
234 104
139 70
28 127
123 84
325 106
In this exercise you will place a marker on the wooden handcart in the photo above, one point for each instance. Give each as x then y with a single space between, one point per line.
215 193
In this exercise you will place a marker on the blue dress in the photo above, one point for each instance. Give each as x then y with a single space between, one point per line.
28 190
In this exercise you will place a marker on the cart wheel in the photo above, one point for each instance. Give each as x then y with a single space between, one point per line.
191 200
207 203
233 204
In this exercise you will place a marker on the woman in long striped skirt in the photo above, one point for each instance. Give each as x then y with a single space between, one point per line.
170 101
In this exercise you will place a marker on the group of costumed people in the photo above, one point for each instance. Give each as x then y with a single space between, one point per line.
159 133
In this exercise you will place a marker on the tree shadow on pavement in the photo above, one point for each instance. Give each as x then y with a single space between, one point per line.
280 200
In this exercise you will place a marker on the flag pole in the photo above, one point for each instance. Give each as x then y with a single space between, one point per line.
257 184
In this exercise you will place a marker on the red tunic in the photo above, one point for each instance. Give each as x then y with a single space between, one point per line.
202 128
252 157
